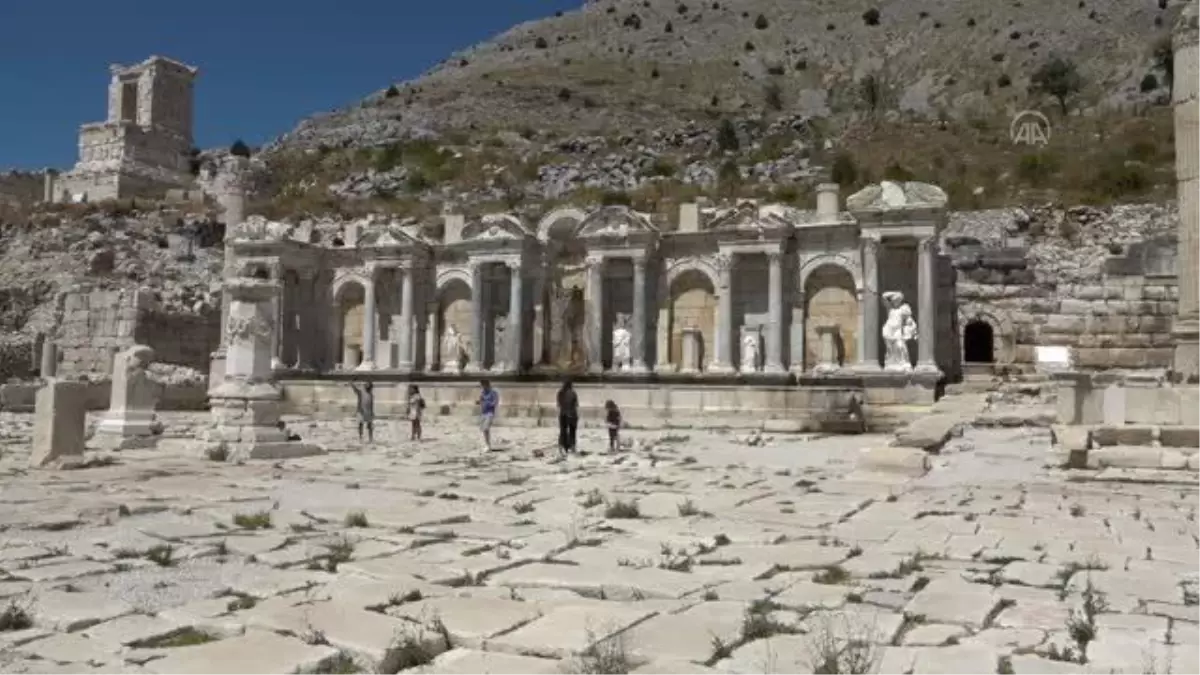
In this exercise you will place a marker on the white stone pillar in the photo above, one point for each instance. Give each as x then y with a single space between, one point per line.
595 314
516 316
798 345
475 358
433 344
927 289
723 336
774 360
539 341
278 308
406 319
1186 326
638 339
369 333
868 307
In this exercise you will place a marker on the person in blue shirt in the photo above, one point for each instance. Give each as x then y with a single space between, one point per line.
488 400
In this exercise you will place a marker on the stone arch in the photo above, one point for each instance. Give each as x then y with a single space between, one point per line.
849 265
349 296
679 266
547 225
692 301
1001 333
830 297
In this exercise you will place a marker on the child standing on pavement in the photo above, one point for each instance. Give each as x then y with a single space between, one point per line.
612 419
416 411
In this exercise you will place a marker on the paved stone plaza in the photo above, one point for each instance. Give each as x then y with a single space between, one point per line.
744 553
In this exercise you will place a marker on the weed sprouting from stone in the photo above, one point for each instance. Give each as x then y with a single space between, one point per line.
161 555
1081 624
356 519
846 649
592 498
16 615
523 507
603 657
832 576
622 509
687 508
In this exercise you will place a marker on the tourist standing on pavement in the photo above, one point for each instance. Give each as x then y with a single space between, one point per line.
612 419
489 399
568 418
416 411
365 410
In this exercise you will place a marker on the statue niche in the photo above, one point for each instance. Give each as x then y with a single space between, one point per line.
567 348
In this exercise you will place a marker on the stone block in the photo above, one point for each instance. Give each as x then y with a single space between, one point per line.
929 432
1105 435
1072 438
470 661
888 459
1179 437
59 424
569 630
952 601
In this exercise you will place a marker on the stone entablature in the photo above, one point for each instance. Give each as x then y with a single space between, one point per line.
142 148
730 291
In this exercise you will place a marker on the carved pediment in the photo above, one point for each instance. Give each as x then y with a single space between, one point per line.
615 221
890 195
747 217
258 228
385 235
495 226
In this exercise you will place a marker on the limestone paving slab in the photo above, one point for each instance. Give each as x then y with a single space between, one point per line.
471 661
470 620
255 652
73 611
569 630
688 636
949 600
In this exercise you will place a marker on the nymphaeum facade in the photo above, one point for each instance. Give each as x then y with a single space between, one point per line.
755 290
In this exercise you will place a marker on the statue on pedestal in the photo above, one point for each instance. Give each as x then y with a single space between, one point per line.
898 330
500 338
621 339
452 350
750 352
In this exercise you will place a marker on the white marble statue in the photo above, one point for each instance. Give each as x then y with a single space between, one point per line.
621 339
750 352
500 344
897 331
452 350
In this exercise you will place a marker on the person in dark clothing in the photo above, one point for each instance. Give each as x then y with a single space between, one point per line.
612 419
568 417
365 409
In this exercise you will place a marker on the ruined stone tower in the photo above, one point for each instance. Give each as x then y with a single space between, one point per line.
143 147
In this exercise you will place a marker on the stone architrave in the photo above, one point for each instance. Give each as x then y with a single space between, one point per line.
60 412
691 350
246 405
130 421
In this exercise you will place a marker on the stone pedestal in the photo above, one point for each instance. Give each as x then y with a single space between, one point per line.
827 363
130 421
49 364
246 405
59 425
691 350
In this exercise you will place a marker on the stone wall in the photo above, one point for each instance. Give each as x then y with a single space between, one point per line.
1099 280
96 324
21 187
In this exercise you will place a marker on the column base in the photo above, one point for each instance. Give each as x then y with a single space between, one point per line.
472 369
665 368
639 369
721 369
364 366
866 367
774 369
826 369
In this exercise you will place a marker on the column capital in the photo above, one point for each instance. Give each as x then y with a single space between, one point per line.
928 243
594 259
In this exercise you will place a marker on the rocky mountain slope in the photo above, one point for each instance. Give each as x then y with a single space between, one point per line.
616 66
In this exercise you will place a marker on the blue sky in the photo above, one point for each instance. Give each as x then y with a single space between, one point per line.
264 64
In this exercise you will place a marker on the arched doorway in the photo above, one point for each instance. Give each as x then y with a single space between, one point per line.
830 298
979 342
693 303
349 303
454 310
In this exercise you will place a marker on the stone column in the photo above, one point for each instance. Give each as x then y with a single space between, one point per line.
233 202
406 318
798 336
1186 327
868 307
774 361
723 336
516 316
662 352
638 338
927 290
475 358
49 362
369 333
595 314
433 344
539 341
